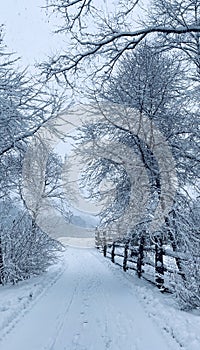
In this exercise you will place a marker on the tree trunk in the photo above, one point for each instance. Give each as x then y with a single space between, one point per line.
140 258
159 267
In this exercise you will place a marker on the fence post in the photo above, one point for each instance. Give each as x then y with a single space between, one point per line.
104 250
113 253
159 267
140 259
104 244
97 238
125 257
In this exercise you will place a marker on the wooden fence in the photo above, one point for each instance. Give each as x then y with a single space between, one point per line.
155 263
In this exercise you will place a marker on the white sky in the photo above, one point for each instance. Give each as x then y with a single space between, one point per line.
28 31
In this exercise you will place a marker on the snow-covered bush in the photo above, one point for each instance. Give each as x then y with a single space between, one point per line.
187 289
187 231
25 249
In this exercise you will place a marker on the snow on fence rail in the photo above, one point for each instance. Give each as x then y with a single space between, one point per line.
156 263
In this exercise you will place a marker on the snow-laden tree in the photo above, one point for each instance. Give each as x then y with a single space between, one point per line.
150 83
154 85
26 250
106 46
184 232
100 33
25 106
177 13
43 186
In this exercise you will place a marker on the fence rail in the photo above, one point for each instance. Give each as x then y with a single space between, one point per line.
155 263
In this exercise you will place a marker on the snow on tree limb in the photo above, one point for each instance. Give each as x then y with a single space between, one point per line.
110 35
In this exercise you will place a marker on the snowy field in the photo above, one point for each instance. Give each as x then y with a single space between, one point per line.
87 303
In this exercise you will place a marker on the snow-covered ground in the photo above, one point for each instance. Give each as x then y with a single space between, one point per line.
16 301
87 303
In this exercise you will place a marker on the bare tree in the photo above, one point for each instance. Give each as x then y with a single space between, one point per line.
154 85
149 82
179 13
43 186
95 49
25 106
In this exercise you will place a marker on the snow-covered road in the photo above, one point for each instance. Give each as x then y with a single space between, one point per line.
91 306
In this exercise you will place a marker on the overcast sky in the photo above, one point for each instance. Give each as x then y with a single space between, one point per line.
28 31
